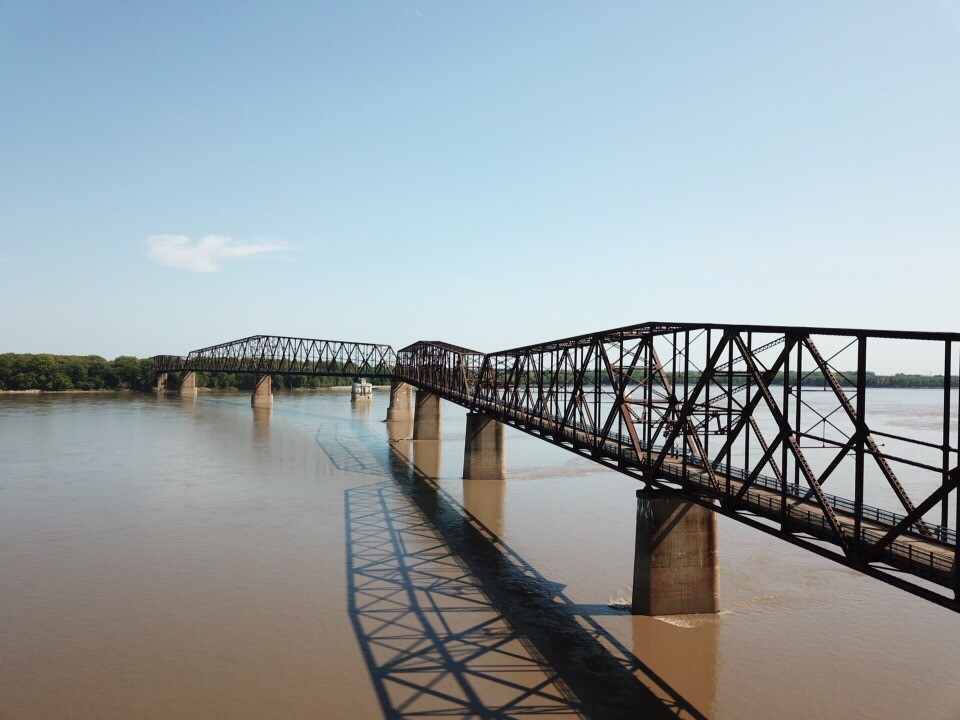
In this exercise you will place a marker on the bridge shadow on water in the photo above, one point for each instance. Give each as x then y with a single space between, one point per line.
453 623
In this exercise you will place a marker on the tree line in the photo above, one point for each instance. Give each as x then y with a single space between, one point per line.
92 372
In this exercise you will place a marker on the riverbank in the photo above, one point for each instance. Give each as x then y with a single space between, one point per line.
21 372
125 391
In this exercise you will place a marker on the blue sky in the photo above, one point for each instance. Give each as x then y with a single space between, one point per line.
491 174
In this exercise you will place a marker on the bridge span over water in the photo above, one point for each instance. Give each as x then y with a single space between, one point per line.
775 427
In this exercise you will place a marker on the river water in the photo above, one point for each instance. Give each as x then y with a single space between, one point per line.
172 558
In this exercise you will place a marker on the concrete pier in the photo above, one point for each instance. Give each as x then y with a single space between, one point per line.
426 418
401 401
483 451
160 383
188 385
675 567
263 392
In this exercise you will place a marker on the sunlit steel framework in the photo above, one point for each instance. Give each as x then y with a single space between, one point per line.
752 421
755 422
274 355
448 370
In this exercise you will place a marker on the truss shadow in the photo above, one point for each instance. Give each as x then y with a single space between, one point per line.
453 623
351 446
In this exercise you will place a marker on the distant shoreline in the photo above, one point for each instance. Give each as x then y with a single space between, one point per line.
30 374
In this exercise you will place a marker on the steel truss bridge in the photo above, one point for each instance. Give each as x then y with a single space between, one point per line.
756 422
275 355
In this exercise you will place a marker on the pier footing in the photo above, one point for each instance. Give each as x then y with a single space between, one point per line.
188 385
401 402
675 567
483 450
263 392
426 418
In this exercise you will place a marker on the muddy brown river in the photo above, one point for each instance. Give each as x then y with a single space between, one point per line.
171 558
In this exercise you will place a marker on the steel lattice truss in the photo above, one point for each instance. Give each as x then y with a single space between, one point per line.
274 355
449 368
768 425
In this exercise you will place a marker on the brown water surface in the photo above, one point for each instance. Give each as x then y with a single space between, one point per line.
169 558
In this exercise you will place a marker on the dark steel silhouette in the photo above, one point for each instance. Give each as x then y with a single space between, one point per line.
750 420
274 355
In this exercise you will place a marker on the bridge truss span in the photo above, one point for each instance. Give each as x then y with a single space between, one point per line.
773 426
448 370
781 428
278 355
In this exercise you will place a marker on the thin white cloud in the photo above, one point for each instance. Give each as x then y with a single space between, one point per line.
207 254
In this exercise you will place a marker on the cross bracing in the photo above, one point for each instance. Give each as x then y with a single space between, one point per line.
773 426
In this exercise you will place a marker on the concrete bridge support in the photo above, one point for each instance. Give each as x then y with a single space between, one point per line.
426 418
188 385
675 567
160 382
401 401
483 451
263 392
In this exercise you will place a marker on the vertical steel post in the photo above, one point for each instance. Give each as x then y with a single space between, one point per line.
860 431
746 445
686 394
785 411
706 419
729 413
797 405
648 405
596 391
619 398
944 513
